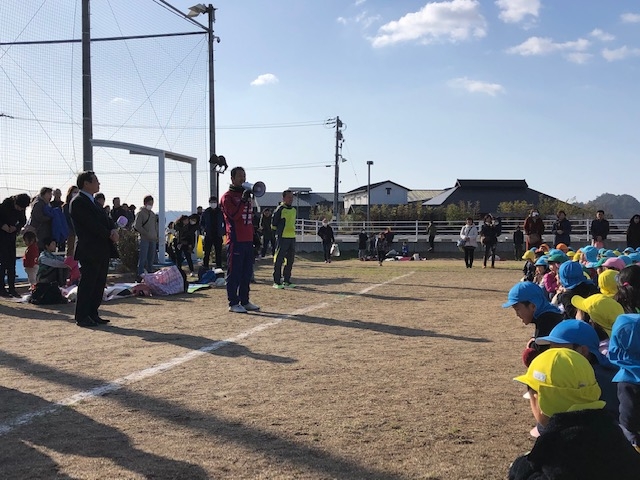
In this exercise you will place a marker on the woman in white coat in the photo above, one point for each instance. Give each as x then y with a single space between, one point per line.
469 235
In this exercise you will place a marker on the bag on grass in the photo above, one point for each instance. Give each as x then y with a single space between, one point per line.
335 250
166 281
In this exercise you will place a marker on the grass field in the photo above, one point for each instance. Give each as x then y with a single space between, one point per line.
362 372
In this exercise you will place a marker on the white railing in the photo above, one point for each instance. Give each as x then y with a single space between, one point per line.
414 231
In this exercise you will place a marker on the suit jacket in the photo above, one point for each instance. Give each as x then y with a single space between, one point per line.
93 228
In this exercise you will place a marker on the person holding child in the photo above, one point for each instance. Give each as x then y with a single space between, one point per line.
533 229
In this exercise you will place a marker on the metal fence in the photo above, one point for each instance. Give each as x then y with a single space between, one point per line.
414 231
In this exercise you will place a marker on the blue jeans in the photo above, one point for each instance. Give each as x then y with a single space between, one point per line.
145 256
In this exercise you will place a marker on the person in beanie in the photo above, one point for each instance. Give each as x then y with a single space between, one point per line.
580 440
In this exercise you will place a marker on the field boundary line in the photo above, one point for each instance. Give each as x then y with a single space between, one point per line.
135 377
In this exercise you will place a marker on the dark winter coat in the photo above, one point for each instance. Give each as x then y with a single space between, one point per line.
582 445
565 236
633 234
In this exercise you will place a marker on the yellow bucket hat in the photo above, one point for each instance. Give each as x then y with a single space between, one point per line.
603 310
607 283
564 380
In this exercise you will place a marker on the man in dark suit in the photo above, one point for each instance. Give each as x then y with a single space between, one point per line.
96 239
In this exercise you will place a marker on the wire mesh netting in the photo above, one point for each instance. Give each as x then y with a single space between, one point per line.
150 91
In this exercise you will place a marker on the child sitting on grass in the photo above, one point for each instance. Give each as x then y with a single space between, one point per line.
51 269
580 440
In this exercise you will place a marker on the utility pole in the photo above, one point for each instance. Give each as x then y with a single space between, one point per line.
87 121
339 140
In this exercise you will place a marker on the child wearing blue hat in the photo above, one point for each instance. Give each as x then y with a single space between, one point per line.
624 352
531 305
573 282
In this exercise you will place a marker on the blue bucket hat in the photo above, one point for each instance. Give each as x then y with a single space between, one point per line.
524 292
590 253
634 257
638 249
628 250
542 262
601 251
626 259
576 332
624 348
571 274
609 254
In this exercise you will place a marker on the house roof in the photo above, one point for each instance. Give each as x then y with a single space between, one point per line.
273 199
488 193
374 185
422 195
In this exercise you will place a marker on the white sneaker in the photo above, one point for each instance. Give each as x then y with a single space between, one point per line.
250 307
238 309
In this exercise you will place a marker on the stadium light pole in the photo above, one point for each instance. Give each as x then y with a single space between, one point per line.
211 13
369 163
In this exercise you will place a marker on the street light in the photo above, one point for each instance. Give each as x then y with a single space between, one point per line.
369 163
194 11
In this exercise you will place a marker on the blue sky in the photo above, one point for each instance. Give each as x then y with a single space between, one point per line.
429 91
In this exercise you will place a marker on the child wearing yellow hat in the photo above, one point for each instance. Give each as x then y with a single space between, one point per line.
580 440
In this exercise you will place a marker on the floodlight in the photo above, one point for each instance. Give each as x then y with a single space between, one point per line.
196 10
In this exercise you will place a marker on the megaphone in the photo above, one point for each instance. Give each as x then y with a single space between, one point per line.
257 189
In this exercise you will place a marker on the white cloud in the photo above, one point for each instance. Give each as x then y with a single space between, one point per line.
578 57
602 36
265 79
620 53
342 20
476 86
366 20
630 17
546 46
119 100
453 21
359 2
514 11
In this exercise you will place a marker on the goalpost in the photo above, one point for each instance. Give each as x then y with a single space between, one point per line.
161 155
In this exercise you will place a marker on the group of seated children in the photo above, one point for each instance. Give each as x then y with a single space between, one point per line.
583 363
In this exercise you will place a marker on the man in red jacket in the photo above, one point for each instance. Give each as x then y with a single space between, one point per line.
237 209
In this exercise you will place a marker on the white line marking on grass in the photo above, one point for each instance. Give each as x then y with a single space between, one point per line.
134 377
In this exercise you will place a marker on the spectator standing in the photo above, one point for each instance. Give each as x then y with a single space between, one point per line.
39 220
469 236
432 230
146 224
325 232
12 219
283 224
533 229
381 247
362 244
96 239
72 191
118 211
561 229
389 235
130 214
56 201
518 243
489 238
30 258
599 229
267 233
212 225
236 206
633 232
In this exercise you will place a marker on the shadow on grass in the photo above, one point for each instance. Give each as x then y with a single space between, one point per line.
89 438
72 433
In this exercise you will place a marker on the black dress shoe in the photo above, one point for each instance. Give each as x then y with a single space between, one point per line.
14 294
100 321
4 293
87 322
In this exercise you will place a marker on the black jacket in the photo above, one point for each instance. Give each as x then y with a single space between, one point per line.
633 234
93 228
326 234
488 234
600 228
565 236
583 445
